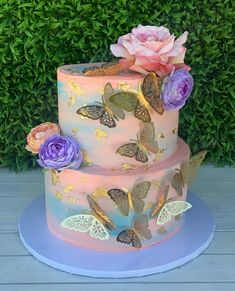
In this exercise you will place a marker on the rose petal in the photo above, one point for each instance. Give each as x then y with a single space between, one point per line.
119 51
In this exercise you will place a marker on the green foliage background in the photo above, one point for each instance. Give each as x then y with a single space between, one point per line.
38 36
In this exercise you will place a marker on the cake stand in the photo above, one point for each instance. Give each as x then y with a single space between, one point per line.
192 239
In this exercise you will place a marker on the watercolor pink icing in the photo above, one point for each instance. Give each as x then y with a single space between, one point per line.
76 90
67 196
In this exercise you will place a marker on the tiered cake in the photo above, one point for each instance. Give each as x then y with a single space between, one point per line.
116 171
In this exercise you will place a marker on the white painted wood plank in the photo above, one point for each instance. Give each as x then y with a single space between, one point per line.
208 268
205 172
223 243
222 206
21 189
122 287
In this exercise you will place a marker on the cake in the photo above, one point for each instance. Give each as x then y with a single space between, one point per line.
116 172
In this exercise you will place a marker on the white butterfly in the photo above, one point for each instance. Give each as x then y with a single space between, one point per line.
85 223
165 208
170 209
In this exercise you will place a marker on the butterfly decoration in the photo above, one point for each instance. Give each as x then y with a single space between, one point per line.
141 148
94 223
164 208
108 69
134 234
187 172
107 111
134 198
140 111
151 89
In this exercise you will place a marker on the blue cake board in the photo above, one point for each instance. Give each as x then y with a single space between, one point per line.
193 238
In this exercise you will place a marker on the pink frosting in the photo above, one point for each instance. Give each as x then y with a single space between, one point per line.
74 186
86 90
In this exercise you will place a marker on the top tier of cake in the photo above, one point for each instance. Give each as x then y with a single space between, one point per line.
101 137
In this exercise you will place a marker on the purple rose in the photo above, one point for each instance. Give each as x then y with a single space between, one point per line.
60 152
176 89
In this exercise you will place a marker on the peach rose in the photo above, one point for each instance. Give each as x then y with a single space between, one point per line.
153 49
39 134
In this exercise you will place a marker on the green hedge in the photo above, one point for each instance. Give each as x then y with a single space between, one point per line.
38 36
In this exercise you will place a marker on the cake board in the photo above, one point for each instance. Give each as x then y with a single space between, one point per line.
192 239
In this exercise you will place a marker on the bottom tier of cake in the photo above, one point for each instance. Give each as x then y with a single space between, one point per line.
119 210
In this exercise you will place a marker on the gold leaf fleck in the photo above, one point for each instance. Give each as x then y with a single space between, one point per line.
86 159
71 200
71 101
54 177
101 90
83 117
158 155
174 131
76 88
156 184
68 188
58 195
126 167
123 86
100 133
99 193
74 132
160 135
148 206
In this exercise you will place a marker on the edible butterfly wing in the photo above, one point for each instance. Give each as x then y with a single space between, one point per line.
178 182
141 225
121 200
80 222
84 223
190 168
138 193
91 111
163 217
170 209
151 89
128 150
128 236
177 207
107 120
142 113
155 209
126 100
98 230
147 137
116 111
141 156
99 213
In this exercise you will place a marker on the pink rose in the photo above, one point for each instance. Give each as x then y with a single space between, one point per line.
153 48
39 134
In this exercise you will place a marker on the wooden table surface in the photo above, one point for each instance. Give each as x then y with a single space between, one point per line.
214 270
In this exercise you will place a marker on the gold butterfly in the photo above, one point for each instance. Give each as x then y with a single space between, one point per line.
99 213
141 148
108 69
134 197
107 111
151 89
187 172
140 111
164 209
134 234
